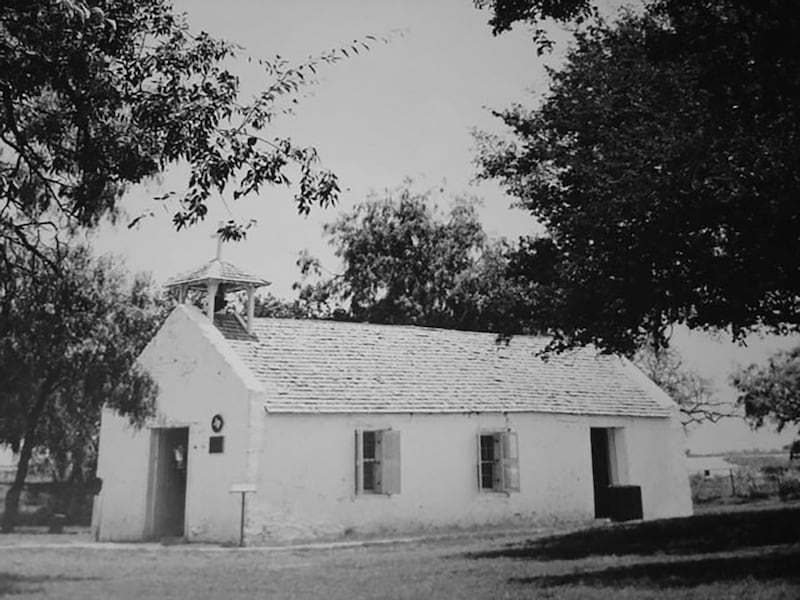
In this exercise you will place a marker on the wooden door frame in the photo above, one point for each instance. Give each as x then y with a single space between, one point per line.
155 464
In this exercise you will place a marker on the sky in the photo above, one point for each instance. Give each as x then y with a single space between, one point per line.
405 108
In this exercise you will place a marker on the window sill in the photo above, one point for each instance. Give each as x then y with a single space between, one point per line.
373 495
502 493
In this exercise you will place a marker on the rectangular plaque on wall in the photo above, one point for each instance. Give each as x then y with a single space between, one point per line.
216 444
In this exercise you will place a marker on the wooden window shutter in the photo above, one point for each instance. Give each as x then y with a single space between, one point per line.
510 461
359 463
479 465
390 462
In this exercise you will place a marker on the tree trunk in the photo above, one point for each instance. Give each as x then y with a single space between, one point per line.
11 509
75 488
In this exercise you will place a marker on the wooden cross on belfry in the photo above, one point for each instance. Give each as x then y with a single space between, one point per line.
218 234
219 301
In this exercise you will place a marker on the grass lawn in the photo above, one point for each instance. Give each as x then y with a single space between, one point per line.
749 554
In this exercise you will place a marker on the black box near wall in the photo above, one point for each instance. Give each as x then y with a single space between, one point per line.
624 502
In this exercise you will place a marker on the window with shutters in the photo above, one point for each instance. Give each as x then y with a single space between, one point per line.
498 462
377 461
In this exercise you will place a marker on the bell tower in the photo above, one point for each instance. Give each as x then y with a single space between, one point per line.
218 278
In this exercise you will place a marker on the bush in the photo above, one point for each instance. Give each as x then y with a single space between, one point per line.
774 472
789 488
709 489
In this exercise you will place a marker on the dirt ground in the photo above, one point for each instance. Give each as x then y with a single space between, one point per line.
733 555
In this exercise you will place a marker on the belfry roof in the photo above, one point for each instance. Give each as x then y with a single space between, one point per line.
219 270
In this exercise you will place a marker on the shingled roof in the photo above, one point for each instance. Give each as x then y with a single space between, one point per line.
337 367
220 270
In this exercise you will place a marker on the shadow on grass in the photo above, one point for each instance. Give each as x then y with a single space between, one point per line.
687 535
782 565
11 583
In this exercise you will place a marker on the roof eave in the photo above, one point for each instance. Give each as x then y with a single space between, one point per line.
233 285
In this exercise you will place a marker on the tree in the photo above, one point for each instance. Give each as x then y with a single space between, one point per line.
69 340
663 166
534 12
771 392
269 305
407 262
693 393
97 95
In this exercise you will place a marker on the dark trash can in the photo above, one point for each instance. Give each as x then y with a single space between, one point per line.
624 502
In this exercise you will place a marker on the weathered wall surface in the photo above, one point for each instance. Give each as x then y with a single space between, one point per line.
307 473
197 379
657 455
119 509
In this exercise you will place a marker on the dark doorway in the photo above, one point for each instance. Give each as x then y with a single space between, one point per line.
169 452
601 470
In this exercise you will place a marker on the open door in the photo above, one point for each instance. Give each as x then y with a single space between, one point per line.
169 461
602 469
614 497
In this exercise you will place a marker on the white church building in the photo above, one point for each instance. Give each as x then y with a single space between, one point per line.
333 429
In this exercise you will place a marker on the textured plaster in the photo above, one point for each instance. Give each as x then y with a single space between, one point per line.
307 471
198 376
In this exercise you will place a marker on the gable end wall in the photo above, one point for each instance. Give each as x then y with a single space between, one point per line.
198 377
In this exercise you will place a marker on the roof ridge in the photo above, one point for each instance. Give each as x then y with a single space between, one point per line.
413 326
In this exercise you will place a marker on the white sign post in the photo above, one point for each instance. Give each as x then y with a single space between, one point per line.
243 489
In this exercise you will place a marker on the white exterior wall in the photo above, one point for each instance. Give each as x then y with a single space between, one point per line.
196 380
657 455
122 464
307 473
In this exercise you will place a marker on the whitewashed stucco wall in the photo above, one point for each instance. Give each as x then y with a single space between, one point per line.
658 455
119 510
307 475
197 379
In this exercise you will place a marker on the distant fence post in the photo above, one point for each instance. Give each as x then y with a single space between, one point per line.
733 482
